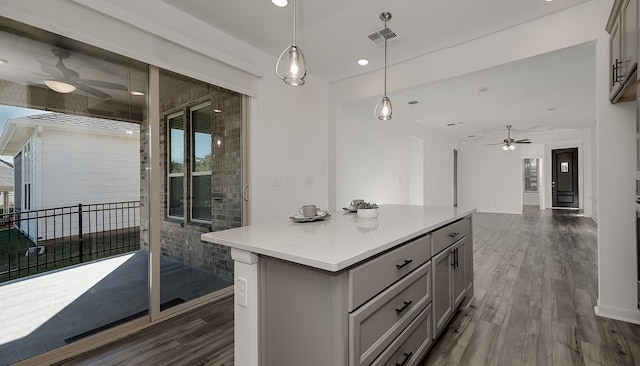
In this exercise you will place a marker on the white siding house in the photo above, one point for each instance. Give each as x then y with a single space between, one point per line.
65 160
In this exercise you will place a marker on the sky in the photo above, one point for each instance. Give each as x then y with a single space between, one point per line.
7 112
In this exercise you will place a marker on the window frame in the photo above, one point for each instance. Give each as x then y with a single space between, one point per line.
192 173
170 175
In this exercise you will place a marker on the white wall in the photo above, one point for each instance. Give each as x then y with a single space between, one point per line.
78 167
616 164
374 161
490 179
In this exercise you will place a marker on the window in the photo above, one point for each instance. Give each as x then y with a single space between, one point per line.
196 181
531 175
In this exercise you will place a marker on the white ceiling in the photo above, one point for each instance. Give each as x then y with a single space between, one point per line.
333 34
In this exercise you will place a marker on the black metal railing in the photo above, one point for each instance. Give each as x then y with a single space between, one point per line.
41 240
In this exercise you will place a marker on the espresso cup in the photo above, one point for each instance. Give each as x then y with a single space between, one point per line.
308 210
355 203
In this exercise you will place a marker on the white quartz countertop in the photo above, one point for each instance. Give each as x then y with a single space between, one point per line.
340 241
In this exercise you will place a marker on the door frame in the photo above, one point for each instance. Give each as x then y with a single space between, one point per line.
548 169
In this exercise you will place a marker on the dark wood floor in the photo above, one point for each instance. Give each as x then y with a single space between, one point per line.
536 286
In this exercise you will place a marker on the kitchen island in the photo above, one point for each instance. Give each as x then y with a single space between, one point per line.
348 291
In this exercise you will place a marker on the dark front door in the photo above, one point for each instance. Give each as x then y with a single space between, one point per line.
564 178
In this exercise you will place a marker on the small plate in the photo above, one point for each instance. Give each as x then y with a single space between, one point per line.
350 209
300 218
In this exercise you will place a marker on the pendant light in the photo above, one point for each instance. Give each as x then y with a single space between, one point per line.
291 66
383 109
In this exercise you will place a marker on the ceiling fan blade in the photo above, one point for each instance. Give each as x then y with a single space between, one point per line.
523 141
498 143
103 84
50 70
91 90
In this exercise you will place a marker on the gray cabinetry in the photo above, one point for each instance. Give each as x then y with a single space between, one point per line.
458 259
381 311
623 50
442 287
452 275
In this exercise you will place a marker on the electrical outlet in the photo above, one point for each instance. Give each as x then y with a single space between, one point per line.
241 292
277 181
311 181
399 180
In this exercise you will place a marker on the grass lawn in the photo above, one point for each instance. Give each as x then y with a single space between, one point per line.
61 252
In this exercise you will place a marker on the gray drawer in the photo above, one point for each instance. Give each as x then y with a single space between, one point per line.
376 324
442 238
370 278
411 345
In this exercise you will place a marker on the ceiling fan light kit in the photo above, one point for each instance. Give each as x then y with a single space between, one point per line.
384 110
508 144
292 66
60 86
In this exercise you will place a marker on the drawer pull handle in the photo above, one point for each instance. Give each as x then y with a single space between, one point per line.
453 235
406 305
407 356
406 261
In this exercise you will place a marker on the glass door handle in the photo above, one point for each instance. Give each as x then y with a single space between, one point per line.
245 192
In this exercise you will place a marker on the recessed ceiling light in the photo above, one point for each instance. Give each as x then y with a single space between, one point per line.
413 102
483 89
552 108
280 3
137 93
450 124
472 135
461 122
216 110
548 1
363 61
3 61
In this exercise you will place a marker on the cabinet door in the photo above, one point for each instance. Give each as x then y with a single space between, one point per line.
458 269
442 285
629 38
615 59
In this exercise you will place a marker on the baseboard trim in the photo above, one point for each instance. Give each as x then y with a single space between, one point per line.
625 315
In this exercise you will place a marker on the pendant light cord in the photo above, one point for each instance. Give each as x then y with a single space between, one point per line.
294 22
385 59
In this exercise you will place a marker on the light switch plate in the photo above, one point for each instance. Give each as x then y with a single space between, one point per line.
241 292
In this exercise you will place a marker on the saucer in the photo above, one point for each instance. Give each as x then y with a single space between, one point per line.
350 209
301 218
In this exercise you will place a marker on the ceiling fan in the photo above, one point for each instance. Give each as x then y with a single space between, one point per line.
65 80
509 143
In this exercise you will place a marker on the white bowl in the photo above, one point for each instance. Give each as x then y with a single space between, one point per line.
367 213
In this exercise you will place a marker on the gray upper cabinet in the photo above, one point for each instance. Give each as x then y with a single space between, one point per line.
623 50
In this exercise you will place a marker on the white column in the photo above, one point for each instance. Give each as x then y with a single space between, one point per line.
245 308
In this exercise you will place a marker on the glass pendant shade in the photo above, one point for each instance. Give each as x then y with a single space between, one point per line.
505 147
383 109
512 147
291 66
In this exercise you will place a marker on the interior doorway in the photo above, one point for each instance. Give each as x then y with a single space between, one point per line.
564 178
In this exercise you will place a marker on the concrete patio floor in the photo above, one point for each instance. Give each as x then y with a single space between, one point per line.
48 310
